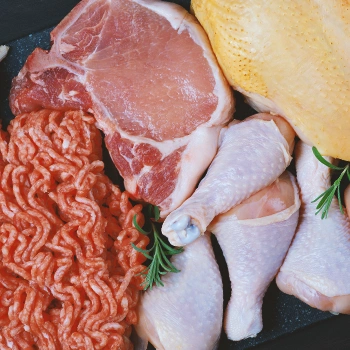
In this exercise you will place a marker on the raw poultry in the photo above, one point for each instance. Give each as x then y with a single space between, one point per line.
252 154
254 237
266 144
187 312
317 267
290 58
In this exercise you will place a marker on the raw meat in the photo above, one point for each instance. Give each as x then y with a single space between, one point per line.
317 266
254 237
290 58
146 71
252 155
187 312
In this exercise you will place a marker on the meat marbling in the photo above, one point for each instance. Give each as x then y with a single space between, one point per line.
146 71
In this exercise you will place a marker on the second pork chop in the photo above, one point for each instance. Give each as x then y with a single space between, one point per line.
146 71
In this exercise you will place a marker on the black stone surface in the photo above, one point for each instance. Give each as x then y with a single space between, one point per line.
19 51
19 18
284 316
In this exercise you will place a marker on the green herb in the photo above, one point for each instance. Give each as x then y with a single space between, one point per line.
325 199
158 254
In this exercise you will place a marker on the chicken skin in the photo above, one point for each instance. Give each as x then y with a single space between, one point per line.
317 266
187 312
252 154
290 58
254 237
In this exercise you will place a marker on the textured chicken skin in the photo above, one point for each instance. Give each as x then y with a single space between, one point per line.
317 266
288 57
254 237
252 154
187 312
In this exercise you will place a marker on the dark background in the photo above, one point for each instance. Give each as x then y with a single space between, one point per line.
288 323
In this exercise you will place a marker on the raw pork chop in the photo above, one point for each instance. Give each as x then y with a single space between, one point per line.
146 71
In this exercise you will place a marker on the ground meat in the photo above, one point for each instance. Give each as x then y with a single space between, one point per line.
68 274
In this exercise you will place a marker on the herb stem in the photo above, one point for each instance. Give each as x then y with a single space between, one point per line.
325 199
158 254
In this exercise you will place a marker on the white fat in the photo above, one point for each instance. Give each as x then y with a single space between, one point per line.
62 96
203 139
130 183
109 123
96 289
65 144
35 77
172 12
112 327
65 48
224 111
144 170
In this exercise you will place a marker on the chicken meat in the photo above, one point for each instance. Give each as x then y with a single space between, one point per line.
254 237
290 58
187 312
252 154
317 266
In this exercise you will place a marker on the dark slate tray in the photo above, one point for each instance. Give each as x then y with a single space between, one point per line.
288 323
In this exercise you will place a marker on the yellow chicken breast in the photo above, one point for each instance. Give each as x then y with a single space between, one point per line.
290 58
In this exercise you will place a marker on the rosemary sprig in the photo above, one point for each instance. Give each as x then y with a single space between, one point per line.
325 199
158 254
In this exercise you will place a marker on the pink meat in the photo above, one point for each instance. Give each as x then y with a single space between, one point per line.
146 71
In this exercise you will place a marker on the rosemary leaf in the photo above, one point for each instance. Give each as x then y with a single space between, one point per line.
156 213
170 250
325 199
158 254
143 251
324 196
324 161
339 200
138 228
